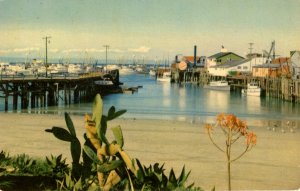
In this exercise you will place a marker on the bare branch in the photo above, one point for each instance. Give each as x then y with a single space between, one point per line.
209 135
247 149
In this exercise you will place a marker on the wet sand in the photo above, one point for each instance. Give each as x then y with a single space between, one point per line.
273 164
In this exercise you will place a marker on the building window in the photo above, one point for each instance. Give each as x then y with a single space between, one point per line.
239 67
245 67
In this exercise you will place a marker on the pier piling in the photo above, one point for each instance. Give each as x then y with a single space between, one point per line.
45 91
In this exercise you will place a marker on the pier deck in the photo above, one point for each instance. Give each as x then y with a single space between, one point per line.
43 91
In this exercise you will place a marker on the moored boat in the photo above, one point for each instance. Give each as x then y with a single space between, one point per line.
166 77
104 82
125 70
253 89
218 85
152 72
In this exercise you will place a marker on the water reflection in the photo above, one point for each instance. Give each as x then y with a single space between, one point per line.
253 103
219 100
166 100
182 97
186 101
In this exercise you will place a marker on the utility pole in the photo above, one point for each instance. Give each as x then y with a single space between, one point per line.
46 60
250 48
106 48
250 55
273 45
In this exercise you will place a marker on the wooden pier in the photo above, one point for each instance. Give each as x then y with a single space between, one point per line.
33 91
283 87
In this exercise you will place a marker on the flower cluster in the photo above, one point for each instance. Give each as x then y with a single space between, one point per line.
231 122
232 125
251 138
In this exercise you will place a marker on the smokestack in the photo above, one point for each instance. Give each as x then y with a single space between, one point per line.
176 59
195 55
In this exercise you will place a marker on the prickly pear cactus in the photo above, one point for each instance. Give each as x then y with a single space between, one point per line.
110 158
69 136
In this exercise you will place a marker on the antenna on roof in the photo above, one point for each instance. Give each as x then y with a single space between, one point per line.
250 54
250 48
223 49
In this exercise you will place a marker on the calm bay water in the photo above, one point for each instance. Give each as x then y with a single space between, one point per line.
182 102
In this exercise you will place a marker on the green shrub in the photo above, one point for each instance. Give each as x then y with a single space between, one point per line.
106 166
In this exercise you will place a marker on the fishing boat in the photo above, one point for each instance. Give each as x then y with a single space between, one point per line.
253 89
218 85
104 82
126 70
166 77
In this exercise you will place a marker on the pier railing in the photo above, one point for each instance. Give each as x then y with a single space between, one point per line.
5 77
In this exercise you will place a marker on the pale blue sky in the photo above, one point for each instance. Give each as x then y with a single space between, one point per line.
148 28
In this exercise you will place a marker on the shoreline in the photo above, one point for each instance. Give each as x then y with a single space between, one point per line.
273 164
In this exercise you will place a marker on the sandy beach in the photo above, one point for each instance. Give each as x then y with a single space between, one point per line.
274 163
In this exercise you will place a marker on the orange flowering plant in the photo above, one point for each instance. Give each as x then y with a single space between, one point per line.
233 129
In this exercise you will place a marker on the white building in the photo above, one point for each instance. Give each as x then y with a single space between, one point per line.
295 61
235 67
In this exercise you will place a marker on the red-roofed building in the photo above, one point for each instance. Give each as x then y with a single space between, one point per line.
200 60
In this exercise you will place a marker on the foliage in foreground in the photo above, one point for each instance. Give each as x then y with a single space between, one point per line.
105 164
233 128
21 170
23 164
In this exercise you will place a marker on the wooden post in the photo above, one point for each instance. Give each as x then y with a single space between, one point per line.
32 100
65 94
69 92
76 96
44 96
6 102
22 96
51 95
15 97
26 96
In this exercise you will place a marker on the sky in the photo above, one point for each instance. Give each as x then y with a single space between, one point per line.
148 29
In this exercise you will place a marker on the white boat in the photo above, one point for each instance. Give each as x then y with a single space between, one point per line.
125 70
75 68
104 82
152 72
3 66
166 77
111 67
252 89
218 85
141 70
41 70
57 68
